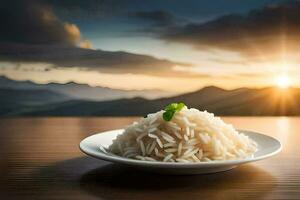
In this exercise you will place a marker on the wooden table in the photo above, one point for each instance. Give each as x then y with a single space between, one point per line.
40 159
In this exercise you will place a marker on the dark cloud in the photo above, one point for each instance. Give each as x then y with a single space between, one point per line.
153 23
88 59
158 17
31 32
33 22
261 32
87 9
192 9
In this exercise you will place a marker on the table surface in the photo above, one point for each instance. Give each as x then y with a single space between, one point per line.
40 159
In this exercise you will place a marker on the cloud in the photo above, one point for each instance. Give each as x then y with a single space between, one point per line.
253 75
33 22
261 32
31 32
88 9
157 17
86 44
89 59
153 23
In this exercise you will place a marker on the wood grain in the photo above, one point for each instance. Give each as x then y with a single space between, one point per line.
40 159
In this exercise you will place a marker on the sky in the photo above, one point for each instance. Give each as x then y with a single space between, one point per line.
172 45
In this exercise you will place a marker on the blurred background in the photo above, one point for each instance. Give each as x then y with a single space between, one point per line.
132 57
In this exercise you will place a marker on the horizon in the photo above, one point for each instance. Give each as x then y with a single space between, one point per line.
276 87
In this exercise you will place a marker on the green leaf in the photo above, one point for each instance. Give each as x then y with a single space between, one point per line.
180 106
171 109
171 106
168 115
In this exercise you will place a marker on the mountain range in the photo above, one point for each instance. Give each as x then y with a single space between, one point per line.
30 101
82 91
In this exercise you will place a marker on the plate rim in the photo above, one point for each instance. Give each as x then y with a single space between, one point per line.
134 162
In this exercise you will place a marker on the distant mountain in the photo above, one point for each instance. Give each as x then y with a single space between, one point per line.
14 101
243 101
83 91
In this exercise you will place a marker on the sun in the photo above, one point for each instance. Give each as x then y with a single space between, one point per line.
282 81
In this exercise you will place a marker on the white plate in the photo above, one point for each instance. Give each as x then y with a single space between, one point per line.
93 146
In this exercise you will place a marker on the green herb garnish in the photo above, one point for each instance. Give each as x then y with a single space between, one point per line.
171 109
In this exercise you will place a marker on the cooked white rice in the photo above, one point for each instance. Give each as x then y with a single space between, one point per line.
191 136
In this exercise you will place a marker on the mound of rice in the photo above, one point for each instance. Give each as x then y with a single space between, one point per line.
191 136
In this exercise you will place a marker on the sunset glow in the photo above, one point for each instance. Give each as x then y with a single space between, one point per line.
283 81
